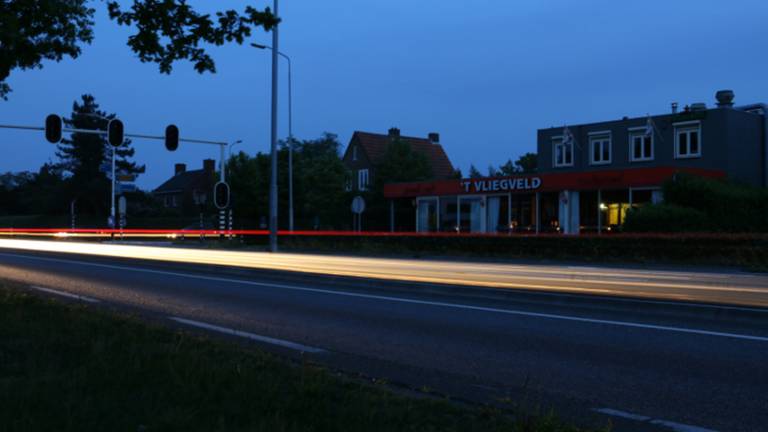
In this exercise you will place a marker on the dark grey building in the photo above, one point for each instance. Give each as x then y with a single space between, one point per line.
726 138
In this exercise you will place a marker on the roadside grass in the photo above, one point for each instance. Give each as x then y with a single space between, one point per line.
68 367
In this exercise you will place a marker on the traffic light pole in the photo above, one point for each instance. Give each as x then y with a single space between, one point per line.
112 208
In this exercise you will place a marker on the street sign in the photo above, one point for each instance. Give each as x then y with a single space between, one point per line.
127 187
358 205
122 205
53 128
125 177
221 195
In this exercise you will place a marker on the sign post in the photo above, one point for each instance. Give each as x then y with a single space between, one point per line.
358 207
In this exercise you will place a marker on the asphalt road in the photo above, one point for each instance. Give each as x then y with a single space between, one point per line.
644 364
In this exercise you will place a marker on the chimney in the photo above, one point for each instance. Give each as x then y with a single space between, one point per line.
179 168
209 166
394 132
434 137
724 98
674 107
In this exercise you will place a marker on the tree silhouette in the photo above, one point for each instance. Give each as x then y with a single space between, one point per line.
167 31
82 155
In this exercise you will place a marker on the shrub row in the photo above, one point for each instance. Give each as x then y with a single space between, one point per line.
701 204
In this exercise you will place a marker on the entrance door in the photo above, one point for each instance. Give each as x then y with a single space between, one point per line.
426 215
471 215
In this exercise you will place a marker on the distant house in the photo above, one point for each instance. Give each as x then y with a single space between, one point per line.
186 190
366 150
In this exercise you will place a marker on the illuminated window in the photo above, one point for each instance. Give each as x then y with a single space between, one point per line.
688 140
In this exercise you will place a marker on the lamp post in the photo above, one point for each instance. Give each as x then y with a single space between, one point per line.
273 146
229 156
290 131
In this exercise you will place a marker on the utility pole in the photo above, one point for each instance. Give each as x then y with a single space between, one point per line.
112 208
273 174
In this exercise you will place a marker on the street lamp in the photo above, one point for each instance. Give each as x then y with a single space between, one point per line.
290 132
229 156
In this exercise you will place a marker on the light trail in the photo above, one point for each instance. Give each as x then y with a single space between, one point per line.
722 288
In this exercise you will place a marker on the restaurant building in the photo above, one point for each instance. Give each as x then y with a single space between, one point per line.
589 175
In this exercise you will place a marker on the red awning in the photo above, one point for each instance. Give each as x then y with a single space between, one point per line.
545 182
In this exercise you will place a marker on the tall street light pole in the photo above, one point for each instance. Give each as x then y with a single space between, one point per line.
273 174
290 131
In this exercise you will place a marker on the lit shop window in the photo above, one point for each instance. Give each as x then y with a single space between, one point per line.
688 141
563 153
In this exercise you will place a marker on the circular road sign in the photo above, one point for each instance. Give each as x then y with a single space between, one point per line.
358 205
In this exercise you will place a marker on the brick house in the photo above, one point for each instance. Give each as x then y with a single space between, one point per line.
187 190
366 150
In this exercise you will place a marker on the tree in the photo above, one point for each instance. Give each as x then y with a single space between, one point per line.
82 155
319 175
166 31
527 163
318 179
474 172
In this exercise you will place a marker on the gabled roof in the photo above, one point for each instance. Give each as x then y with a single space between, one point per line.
375 147
195 179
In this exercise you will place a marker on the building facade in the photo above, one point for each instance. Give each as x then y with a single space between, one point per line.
188 190
366 150
589 175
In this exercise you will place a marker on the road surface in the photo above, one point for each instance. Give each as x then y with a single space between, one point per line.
645 364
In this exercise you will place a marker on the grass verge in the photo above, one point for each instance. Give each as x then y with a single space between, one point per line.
67 367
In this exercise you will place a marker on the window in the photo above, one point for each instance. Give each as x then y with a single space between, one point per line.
600 148
348 183
688 140
354 153
640 145
563 153
362 179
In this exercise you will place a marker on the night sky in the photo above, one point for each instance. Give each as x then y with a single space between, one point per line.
485 74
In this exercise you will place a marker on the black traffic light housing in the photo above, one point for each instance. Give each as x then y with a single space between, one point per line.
115 133
221 195
172 137
53 129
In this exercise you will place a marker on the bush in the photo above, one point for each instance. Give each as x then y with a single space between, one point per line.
694 203
666 218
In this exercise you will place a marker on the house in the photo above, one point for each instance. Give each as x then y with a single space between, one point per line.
589 175
188 190
366 150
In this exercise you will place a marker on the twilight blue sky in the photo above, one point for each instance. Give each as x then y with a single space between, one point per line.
485 74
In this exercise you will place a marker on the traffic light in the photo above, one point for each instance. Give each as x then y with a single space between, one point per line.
221 195
115 133
53 128
172 137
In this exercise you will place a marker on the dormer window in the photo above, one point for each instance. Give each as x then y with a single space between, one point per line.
600 148
688 140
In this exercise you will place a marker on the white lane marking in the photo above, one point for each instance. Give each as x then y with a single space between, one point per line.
423 302
64 294
622 414
677 427
247 335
